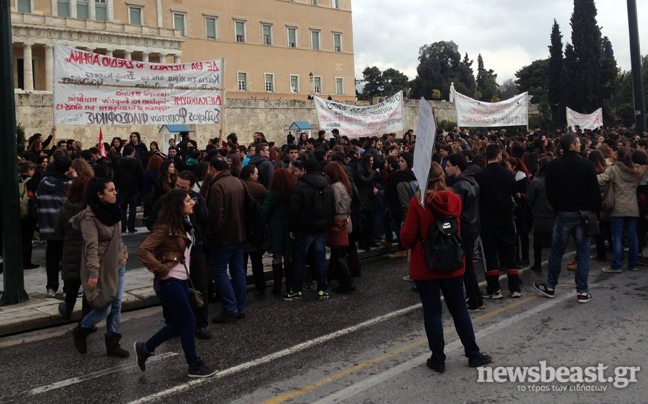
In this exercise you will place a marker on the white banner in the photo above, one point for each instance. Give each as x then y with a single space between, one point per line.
585 121
355 121
473 113
425 137
93 89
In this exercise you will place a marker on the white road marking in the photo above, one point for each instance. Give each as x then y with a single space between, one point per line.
420 361
94 375
280 354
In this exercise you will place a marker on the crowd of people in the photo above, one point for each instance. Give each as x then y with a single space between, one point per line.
347 194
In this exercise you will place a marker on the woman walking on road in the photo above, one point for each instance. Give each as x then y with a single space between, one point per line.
103 264
431 282
167 253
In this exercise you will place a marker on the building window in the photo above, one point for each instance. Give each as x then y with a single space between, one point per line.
179 23
315 40
267 35
24 6
210 27
83 12
240 31
337 42
294 83
242 81
335 3
269 82
313 2
317 83
292 37
101 11
135 16
63 8
339 86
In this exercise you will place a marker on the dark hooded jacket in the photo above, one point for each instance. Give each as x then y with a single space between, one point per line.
467 188
72 241
417 226
391 192
265 167
572 184
129 175
299 218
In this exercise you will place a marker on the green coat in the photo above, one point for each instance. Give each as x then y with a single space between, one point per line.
278 238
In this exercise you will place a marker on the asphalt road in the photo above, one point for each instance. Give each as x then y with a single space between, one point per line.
368 347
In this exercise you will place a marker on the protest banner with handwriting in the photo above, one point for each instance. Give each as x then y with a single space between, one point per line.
585 121
473 113
93 89
425 137
353 121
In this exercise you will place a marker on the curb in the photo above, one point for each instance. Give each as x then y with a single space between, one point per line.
45 314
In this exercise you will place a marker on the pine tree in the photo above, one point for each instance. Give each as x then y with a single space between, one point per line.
486 81
570 79
554 76
586 39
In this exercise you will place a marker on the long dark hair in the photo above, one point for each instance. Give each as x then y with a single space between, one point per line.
172 211
284 182
336 173
95 186
167 180
364 162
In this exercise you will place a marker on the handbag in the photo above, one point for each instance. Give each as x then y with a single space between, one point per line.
608 195
591 223
196 298
338 237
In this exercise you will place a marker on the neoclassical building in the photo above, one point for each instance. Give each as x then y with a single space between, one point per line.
272 48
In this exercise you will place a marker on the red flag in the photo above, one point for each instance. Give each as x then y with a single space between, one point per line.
102 146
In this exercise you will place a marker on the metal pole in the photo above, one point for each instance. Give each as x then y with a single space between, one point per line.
14 282
635 58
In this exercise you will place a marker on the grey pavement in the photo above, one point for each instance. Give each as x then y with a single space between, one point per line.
41 312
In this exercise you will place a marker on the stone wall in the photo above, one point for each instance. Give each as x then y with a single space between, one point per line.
242 116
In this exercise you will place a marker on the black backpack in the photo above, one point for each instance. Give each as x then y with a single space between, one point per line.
255 220
443 250
321 211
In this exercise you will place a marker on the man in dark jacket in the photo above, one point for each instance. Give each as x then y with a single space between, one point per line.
404 174
129 178
573 191
464 185
102 167
265 166
309 228
498 235
225 236
50 195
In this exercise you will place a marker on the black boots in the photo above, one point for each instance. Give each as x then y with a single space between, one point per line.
80 334
113 348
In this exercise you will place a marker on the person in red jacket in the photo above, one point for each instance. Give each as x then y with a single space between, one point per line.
430 282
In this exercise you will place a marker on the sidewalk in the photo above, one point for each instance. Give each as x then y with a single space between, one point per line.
41 312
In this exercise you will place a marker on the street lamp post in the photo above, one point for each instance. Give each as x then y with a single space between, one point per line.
312 89
14 282
635 58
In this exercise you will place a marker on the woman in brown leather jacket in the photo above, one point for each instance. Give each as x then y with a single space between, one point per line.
166 253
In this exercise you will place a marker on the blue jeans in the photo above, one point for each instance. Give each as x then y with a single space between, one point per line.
128 200
174 294
112 313
303 242
453 292
232 293
630 224
569 223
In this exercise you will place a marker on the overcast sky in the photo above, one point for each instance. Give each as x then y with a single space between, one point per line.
509 34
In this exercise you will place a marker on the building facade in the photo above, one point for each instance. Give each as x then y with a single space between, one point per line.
287 49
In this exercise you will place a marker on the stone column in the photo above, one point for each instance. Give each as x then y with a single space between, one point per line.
110 10
163 57
159 13
28 71
49 67
92 11
145 56
109 52
128 55
176 59
73 8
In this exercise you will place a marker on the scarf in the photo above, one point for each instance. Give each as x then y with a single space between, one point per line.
107 214
191 162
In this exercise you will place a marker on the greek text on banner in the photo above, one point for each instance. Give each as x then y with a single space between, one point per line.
355 121
585 121
473 113
93 89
